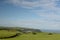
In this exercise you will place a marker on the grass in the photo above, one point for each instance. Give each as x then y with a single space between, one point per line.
30 36
5 33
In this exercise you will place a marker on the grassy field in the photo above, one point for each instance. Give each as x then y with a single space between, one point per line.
5 33
29 36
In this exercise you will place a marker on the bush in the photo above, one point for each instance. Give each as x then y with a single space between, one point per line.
50 34
34 33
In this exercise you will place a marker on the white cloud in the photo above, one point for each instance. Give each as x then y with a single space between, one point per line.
50 16
22 3
40 24
38 3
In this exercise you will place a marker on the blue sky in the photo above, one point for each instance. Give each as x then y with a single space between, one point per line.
41 14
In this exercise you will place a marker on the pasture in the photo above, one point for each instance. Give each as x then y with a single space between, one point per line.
29 36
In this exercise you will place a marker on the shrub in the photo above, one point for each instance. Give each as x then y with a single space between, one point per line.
50 34
34 33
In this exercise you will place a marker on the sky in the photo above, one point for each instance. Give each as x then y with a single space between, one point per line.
40 14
